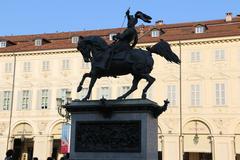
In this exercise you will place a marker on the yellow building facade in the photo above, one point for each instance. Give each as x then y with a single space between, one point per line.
202 121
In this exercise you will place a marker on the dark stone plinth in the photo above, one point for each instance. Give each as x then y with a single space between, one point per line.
114 130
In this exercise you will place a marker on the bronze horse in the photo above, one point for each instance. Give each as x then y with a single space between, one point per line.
137 62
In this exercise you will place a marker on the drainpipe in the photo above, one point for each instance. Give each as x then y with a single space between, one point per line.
180 104
11 109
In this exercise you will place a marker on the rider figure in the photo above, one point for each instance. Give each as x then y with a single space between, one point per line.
123 40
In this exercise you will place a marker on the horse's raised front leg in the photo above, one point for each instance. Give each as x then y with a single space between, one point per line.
79 88
150 80
135 82
92 82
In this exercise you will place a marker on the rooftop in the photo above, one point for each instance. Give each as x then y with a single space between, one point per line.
171 32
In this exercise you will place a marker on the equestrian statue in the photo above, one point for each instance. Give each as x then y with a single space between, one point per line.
121 58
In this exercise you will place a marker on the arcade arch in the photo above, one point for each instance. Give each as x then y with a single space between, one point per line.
197 140
23 142
237 141
56 133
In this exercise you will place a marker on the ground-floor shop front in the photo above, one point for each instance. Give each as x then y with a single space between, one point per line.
197 142
27 144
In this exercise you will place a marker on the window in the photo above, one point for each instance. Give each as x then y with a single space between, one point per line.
6 100
200 29
219 55
195 57
65 64
75 39
124 90
44 99
105 92
171 94
63 94
85 65
8 67
26 66
38 42
83 93
195 95
111 36
25 100
45 66
155 33
220 94
3 44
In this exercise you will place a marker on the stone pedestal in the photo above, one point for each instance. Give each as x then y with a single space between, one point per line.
114 130
39 151
224 148
3 146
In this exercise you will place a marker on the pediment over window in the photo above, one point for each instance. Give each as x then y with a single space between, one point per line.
219 75
66 83
195 77
171 78
26 84
45 84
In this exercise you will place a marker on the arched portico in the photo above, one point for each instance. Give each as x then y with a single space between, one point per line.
160 143
197 140
55 134
22 139
237 141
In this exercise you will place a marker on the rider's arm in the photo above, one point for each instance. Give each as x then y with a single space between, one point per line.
128 13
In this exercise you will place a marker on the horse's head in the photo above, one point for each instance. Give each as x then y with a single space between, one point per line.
85 49
91 45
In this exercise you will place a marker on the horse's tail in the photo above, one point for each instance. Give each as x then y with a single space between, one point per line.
163 49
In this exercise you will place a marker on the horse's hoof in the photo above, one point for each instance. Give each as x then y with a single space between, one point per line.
85 99
120 98
144 96
79 88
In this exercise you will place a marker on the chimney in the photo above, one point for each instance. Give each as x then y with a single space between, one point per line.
159 22
228 17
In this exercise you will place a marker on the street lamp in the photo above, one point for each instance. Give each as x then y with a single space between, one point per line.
23 134
196 137
62 103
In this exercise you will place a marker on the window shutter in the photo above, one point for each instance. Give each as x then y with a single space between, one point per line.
1 100
110 93
19 104
98 93
30 99
49 99
38 106
11 97
58 95
149 93
120 93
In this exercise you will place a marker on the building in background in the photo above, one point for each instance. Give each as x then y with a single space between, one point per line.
202 121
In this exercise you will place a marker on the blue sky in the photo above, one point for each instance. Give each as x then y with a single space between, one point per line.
49 16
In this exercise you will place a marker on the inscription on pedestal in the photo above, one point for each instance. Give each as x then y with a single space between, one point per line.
108 136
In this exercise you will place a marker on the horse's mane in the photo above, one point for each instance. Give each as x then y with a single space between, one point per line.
97 41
